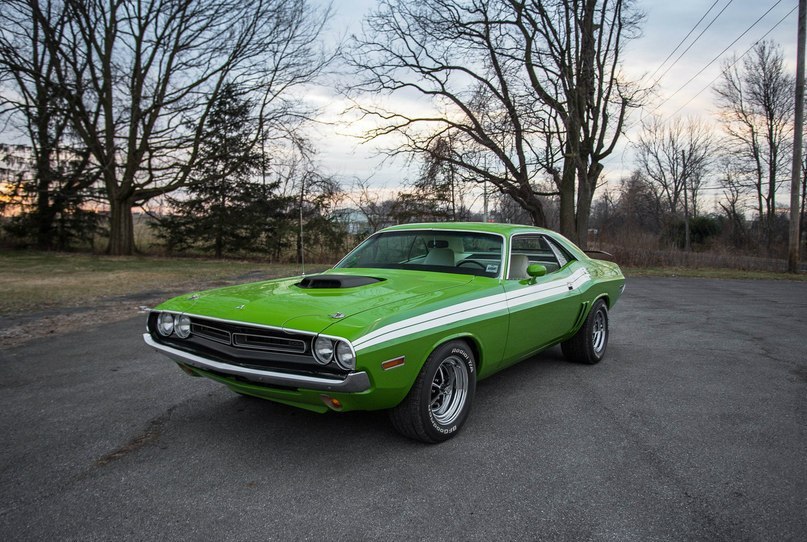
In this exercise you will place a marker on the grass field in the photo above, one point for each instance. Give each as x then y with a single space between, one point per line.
709 273
31 281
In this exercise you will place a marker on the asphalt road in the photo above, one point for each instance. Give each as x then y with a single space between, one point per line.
692 428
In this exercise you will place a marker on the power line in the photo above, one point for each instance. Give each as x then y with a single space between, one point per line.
680 43
765 35
693 42
746 31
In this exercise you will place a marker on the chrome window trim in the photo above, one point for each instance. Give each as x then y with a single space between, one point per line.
550 241
559 255
503 237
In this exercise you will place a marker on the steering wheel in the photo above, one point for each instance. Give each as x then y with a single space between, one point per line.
474 262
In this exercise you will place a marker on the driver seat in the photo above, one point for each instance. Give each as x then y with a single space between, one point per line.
518 267
440 256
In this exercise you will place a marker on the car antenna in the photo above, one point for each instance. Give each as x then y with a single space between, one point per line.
302 244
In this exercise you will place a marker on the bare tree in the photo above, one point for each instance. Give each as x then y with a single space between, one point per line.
35 107
674 157
531 91
376 210
440 191
138 80
756 109
639 205
734 190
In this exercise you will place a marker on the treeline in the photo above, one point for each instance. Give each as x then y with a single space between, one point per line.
195 111
127 88
698 185
115 99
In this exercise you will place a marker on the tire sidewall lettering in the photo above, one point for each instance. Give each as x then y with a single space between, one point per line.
468 360
439 428
461 352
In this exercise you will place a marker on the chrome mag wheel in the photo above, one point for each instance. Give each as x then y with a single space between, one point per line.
599 332
440 400
589 343
449 390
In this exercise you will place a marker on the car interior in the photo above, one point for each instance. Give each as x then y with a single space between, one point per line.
535 249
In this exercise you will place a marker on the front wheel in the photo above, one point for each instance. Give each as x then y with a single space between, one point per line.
440 399
589 343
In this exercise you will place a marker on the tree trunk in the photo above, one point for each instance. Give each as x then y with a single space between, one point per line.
44 211
537 216
219 237
121 228
44 177
566 188
585 194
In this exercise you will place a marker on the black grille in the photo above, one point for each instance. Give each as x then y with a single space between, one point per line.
209 332
268 343
247 337
245 345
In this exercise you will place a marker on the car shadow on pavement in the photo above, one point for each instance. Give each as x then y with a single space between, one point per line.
222 419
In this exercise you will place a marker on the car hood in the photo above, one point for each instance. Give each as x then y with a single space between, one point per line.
285 304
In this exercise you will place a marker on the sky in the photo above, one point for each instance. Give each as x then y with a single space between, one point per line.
685 90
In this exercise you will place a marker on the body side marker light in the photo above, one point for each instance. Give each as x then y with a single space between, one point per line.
392 363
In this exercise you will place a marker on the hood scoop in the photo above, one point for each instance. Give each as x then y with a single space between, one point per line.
336 281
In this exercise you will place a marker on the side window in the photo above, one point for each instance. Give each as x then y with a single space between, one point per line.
530 244
537 250
561 254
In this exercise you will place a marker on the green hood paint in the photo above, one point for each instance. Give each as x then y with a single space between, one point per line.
270 303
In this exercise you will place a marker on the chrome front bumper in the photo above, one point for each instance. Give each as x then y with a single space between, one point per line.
354 382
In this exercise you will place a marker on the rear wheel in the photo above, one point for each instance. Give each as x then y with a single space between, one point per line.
589 343
440 399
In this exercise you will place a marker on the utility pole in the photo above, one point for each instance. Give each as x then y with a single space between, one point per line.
686 202
794 240
485 200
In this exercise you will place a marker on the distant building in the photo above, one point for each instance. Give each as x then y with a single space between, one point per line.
16 161
354 221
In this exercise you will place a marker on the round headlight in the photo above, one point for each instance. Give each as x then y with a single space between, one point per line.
182 326
344 356
323 350
165 323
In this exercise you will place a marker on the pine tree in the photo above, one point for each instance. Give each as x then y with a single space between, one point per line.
227 205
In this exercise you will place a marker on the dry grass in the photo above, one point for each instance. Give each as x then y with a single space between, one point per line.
648 258
34 281
711 273
31 281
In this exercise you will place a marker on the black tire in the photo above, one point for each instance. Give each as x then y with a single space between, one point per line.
438 404
589 343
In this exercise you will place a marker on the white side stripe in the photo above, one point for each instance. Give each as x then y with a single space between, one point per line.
472 309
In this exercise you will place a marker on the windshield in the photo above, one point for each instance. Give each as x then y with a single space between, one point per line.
470 253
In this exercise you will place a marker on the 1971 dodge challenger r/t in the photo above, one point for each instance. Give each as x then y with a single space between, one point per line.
408 321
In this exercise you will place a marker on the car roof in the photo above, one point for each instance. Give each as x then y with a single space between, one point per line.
489 227
507 230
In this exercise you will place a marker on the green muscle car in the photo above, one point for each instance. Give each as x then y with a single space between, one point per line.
408 321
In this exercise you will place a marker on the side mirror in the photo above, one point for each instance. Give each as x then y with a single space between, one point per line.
536 270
